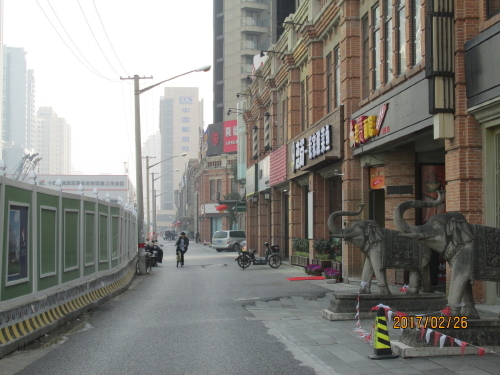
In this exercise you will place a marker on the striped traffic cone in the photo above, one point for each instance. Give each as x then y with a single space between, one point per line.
381 341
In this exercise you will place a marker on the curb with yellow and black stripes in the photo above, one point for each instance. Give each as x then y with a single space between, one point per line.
27 323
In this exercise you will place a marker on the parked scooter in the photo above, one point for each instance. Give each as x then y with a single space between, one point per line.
155 252
246 258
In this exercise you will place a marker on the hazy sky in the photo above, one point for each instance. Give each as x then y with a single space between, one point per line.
159 38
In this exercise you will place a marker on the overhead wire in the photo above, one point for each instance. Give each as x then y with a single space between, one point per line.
91 68
98 45
111 45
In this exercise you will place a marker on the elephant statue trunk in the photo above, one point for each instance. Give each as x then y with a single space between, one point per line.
339 232
411 230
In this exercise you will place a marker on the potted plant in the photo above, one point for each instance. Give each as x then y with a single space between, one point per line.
313 270
333 274
322 253
300 248
337 255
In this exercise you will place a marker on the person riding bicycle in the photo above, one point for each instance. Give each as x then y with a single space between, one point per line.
182 246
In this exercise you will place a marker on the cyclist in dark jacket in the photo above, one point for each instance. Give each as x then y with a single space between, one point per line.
182 246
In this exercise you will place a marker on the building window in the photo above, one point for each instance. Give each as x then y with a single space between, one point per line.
493 7
366 56
185 129
185 139
303 108
401 55
185 119
234 186
185 148
376 46
185 110
212 190
219 187
329 83
336 67
388 69
416 32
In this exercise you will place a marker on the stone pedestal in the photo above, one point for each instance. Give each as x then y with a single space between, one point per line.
343 305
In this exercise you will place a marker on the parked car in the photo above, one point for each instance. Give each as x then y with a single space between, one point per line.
228 240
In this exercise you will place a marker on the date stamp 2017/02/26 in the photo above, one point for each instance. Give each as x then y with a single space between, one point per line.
432 322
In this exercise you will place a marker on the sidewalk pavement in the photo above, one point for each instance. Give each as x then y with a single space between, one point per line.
334 347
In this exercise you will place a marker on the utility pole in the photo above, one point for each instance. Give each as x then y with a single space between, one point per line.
138 172
147 184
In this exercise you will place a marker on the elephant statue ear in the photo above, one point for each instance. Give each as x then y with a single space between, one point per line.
373 233
459 230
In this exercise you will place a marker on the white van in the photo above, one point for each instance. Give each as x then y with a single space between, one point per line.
228 240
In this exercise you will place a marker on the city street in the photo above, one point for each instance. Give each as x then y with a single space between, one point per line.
211 317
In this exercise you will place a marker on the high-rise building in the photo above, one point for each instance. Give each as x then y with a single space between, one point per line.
151 149
52 142
181 119
1 70
242 29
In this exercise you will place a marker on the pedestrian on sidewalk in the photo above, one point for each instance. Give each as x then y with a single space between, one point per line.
182 246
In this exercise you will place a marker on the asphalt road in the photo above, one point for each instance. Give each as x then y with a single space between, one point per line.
188 320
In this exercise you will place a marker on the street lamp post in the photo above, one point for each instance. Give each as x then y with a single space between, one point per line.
138 160
148 167
154 207
153 190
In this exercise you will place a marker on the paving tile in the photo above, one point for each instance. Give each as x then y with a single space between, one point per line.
275 304
404 371
476 372
424 365
261 304
441 371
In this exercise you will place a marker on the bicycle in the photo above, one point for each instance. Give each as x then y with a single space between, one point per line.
179 258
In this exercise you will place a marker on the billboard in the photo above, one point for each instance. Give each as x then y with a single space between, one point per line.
215 139
230 136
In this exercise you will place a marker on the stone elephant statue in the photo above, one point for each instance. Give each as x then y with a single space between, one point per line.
384 249
471 250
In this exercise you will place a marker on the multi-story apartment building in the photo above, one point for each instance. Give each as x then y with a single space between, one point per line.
52 142
242 29
181 120
369 102
17 105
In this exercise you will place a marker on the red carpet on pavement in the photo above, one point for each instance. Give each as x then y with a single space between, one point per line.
306 278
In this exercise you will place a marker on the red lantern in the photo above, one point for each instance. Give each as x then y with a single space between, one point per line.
222 207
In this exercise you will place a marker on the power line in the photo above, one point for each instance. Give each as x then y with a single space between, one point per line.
98 45
98 15
95 71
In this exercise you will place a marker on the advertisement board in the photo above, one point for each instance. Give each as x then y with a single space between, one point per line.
263 175
251 180
230 136
215 139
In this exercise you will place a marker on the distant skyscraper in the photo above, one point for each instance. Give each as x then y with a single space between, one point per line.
242 29
1 71
52 141
181 118
15 117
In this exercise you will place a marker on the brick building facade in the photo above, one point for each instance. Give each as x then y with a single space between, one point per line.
374 107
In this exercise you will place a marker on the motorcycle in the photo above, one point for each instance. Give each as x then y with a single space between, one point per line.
155 253
247 257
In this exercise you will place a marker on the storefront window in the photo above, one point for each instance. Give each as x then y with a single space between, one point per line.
493 7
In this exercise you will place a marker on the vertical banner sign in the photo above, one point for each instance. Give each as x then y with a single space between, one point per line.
17 255
230 136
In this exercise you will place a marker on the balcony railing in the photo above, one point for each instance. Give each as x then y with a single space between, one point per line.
250 21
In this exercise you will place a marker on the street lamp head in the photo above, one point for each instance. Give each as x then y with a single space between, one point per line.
205 68
183 154
176 170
